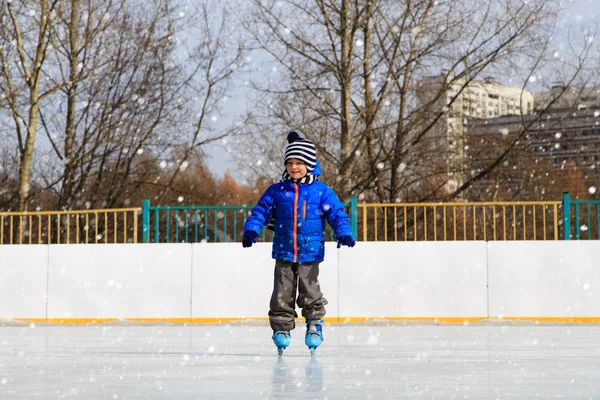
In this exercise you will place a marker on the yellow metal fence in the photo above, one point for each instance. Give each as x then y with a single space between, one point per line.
537 220
375 222
64 227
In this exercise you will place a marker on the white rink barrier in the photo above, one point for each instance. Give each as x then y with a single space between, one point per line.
213 283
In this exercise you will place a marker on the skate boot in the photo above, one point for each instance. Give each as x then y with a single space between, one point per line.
281 340
314 335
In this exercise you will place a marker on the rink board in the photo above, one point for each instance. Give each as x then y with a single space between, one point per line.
549 280
23 281
214 283
411 280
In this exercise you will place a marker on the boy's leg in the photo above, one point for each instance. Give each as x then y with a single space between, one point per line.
282 306
310 297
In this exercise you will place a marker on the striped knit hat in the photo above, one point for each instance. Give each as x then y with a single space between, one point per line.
300 149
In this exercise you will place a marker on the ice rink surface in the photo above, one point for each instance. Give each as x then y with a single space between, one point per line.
356 361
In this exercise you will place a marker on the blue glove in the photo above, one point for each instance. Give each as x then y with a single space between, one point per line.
249 238
346 240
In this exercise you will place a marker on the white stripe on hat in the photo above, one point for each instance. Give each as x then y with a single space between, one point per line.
303 150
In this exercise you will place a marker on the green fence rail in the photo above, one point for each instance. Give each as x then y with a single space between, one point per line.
193 224
587 218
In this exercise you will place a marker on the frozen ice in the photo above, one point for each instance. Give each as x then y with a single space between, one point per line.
358 361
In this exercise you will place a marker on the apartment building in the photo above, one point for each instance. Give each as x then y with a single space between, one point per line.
568 98
461 101
563 137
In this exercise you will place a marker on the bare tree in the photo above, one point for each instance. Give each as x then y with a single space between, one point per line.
25 39
315 44
218 56
355 80
132 83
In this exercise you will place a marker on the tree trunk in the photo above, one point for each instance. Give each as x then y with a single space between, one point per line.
66 196
33 81
27 154
369 114
345 81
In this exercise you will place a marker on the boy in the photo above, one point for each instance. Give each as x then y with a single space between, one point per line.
300 205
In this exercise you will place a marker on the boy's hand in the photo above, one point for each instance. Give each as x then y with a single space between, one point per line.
345 241
249 238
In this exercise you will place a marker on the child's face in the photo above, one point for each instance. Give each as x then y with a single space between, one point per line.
296 168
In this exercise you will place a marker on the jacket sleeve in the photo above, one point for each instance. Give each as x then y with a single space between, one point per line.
333 210
261 213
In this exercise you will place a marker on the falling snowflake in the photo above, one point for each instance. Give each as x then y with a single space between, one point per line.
372 340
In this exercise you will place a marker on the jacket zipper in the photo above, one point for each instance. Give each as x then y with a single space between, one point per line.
295 222
304 210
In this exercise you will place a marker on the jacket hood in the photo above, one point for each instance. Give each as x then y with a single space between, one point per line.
317 170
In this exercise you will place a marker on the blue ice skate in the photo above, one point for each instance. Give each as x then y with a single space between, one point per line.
281 340
314 335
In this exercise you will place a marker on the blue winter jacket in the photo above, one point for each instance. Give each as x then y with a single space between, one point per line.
300 212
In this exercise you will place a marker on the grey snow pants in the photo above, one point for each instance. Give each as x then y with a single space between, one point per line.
292 278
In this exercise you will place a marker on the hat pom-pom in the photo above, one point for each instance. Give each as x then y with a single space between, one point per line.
293 136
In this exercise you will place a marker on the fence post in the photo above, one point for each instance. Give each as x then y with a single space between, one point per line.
354 216
567 215
146 221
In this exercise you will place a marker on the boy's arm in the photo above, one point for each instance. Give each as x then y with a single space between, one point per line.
333 210
261 213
